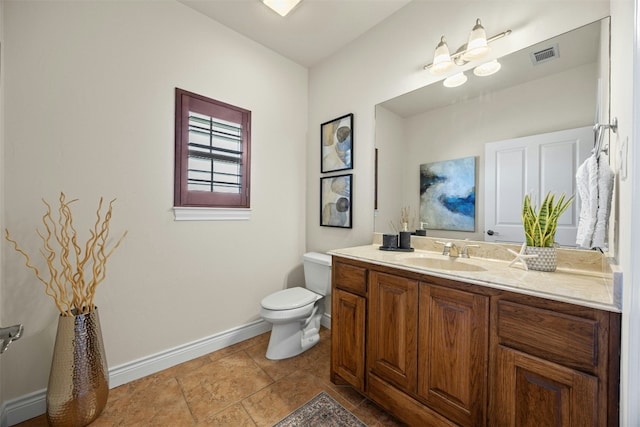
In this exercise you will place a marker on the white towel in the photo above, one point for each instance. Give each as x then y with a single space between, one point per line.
587 183
594 179
605 193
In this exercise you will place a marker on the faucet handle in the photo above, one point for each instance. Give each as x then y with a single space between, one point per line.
464 253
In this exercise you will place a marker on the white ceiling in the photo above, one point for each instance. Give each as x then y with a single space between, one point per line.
313 31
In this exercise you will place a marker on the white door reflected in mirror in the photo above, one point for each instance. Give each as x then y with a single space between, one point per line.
533 165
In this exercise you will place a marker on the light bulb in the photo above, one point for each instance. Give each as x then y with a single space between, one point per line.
487 68
455 80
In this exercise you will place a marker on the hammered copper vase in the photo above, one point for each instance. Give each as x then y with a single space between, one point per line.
79 379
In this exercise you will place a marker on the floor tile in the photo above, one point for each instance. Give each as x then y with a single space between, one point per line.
221 383
374 416
233 416
273 403
156 401
276 369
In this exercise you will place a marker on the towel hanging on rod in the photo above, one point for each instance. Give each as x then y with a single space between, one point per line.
598 129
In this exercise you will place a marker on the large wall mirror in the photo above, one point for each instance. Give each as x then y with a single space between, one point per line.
528 96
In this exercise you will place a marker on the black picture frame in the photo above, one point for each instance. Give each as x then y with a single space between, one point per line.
336 144
336 201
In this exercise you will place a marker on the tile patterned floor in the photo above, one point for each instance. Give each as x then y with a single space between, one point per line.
236 387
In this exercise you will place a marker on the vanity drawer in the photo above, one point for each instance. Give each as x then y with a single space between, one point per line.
350 278
565 339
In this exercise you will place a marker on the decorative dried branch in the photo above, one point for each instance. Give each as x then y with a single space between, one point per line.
73 275
404 214
407 220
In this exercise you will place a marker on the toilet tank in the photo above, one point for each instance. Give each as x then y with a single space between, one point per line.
317 272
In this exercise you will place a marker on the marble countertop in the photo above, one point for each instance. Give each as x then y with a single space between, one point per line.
583 280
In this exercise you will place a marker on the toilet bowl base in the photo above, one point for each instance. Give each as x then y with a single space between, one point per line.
289 339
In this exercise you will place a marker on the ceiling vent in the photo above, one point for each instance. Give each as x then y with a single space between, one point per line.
545 55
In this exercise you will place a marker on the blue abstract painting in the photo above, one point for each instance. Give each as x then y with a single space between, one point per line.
448 194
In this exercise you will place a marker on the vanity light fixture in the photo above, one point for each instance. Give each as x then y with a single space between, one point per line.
476 47
281 7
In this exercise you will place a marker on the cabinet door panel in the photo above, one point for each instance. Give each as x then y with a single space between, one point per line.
392 346
453 353
347 337
532 392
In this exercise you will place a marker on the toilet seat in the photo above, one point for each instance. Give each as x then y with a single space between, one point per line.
288 299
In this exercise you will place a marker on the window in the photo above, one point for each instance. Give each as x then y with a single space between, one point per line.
212 164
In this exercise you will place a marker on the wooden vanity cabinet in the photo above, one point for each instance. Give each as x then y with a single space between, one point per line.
348 308
430 342
437 352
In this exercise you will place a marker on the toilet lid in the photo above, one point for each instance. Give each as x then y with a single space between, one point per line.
289 298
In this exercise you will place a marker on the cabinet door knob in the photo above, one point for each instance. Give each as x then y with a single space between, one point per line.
490 232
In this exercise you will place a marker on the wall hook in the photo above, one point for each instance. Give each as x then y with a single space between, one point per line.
598 129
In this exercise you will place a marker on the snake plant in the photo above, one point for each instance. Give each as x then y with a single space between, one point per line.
540 227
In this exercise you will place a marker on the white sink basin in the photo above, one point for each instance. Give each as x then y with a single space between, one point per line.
444 263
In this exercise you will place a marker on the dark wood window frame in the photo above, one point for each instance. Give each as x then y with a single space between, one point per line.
238 195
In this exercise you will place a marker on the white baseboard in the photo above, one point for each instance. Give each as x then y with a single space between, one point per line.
326 320
23 408
136 369
34 404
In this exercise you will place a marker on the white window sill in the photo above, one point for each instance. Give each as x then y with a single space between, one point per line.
211 214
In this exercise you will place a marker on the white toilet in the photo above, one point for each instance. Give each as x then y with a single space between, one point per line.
296 312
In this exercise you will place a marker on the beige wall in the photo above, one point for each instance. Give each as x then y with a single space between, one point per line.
89 98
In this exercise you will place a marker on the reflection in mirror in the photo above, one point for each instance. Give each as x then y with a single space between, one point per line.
527 97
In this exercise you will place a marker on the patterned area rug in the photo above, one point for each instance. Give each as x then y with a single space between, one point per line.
323 411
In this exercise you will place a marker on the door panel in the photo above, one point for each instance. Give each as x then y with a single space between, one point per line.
533 165
347 334
532 392
393 321
453 353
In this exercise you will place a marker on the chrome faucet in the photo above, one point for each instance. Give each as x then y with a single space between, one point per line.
450 249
